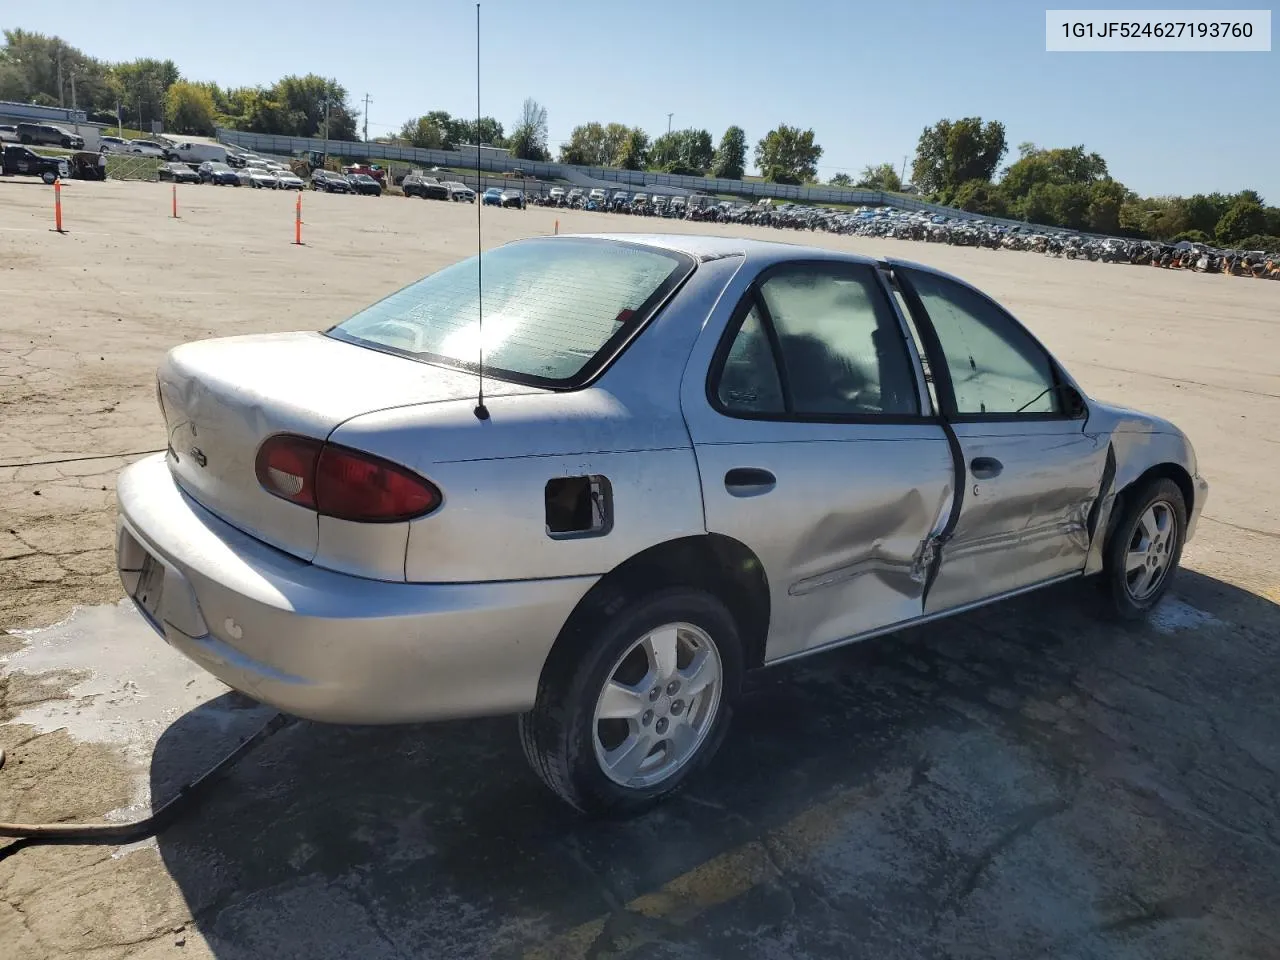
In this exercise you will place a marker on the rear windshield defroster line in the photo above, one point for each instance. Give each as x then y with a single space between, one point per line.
557 311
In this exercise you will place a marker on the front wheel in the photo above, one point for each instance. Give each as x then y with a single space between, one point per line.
631 704
1143 551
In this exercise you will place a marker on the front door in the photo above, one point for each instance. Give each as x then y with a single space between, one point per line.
809 419
1031 471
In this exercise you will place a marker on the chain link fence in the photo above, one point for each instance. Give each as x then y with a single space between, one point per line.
124 166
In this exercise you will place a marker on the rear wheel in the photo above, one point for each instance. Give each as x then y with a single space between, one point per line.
632 704
1144 549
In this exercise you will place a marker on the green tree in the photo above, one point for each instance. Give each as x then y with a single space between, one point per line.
189 109
424 132
788 155
39 68
1264 242
881 177
143 84
486 130
841 180
1203 211
950 153
528 141
1106 198
686 152
1194 236
980 196
730 160
634 154
586 146
1245 217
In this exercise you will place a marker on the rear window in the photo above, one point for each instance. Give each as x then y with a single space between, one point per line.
555 311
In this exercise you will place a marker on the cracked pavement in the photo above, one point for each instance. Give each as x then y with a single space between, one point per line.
1023 781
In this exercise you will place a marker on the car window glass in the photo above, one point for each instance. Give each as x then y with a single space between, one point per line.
841 344
749 379
550 306
995 366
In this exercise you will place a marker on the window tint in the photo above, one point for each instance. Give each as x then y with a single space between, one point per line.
841 345
749 380
995 365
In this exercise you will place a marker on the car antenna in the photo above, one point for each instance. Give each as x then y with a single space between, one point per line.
481 411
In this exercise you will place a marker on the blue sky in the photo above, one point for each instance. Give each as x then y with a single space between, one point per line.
867 77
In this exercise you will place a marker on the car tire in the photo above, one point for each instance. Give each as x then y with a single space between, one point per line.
1143 549
48 178
657 645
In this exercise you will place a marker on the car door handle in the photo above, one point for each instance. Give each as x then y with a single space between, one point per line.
984 468
749 481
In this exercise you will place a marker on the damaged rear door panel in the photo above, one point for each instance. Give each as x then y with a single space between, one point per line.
817 449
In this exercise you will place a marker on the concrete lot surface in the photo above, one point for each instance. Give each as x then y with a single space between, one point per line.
1023 781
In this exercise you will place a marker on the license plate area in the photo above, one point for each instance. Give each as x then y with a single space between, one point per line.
150 589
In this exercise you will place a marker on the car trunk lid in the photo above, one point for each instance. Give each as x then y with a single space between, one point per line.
222 398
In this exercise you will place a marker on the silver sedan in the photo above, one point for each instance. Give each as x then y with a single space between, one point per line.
686 458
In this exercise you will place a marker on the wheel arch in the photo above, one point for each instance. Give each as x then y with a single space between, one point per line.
724 567
1167 470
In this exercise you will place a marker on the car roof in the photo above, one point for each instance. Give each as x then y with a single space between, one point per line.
703 247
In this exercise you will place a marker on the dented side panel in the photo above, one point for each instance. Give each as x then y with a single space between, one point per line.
1029 523
842 533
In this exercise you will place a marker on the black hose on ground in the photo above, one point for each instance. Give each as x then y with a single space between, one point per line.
33 834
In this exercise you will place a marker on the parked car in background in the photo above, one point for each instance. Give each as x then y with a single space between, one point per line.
9 133
492 197
512 198
22 161
109 144
699 455
178 172
49 134
329 182
261 178
288 180
420 185
364 184
556 193
461 192
370 170
597 196
147 148
620 200
198 152
218 174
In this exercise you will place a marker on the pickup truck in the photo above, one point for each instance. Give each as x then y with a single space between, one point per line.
25 162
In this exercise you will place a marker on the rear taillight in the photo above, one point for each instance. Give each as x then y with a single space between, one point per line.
340 482
286 467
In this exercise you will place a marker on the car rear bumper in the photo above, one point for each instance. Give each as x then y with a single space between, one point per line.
325 645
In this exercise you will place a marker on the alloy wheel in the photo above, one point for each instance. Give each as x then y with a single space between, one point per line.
658 704
1151 549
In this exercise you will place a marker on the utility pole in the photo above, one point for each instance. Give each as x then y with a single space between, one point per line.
903 175
62 98
366 118
325 161
669 116
75 118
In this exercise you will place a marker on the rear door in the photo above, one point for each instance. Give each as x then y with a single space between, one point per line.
1031 471
816 450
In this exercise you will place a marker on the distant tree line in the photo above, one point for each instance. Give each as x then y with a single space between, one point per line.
35 68
957 162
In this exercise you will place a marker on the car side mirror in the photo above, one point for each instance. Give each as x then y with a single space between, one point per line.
1073 403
